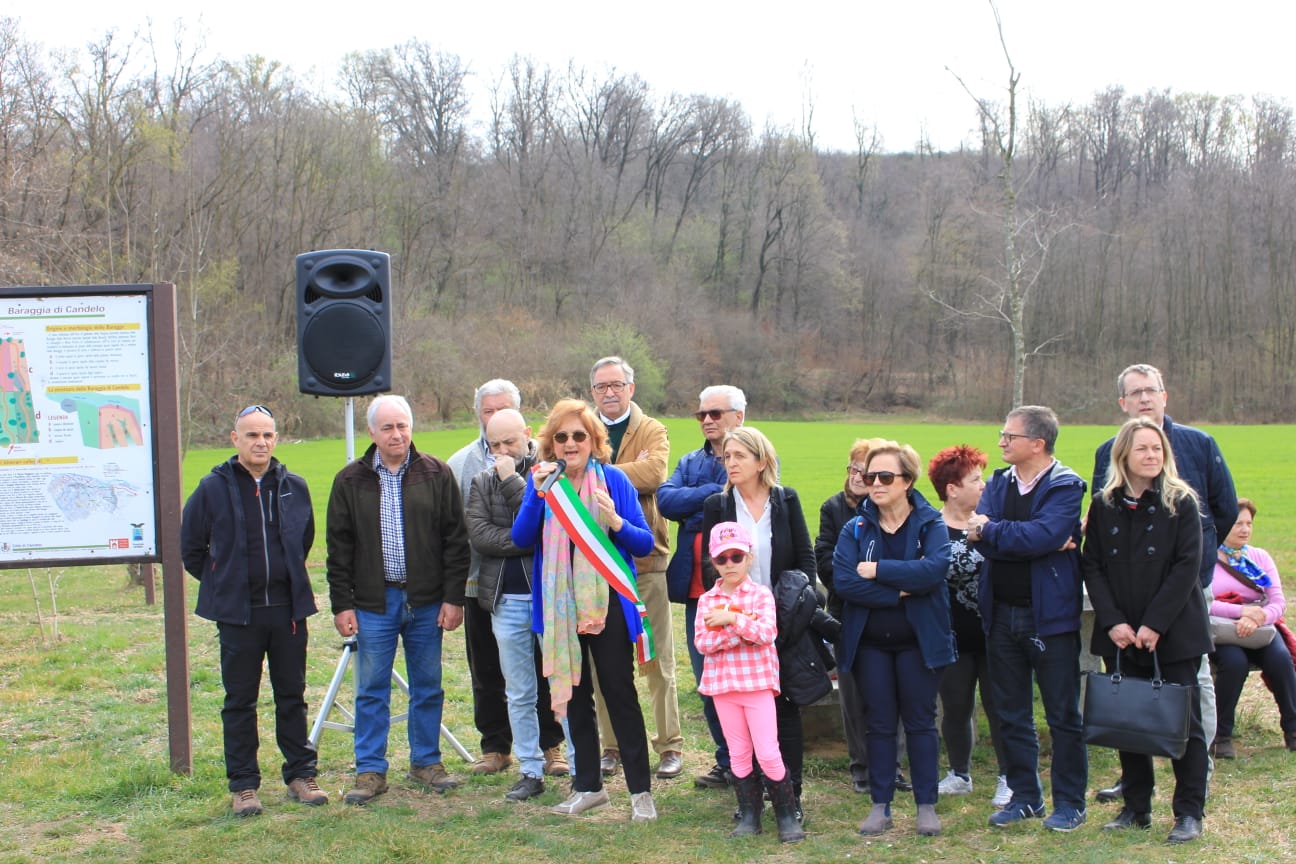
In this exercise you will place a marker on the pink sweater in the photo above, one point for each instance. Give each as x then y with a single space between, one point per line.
739 657
1225 582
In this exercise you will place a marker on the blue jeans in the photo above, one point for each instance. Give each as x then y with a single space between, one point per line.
1016 653
708 706
375 654
511 622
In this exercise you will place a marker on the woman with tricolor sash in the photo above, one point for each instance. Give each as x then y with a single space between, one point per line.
583 518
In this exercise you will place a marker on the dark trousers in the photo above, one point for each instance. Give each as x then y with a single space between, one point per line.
791 738
1138 778
708 704
1018 655
612 654
490 706
1233 664
896 682
958 689
274 638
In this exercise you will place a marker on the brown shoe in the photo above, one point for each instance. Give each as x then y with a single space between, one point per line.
492 763
1223 748
433 777
610 764
555 763
246 803
368 786
307 791
671 765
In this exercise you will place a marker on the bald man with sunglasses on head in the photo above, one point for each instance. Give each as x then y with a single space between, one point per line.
245 535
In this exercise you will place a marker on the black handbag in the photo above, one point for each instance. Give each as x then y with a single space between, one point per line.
1137 715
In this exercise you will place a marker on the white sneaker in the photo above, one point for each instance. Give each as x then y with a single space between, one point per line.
953 784
579 802
1002 793
642 808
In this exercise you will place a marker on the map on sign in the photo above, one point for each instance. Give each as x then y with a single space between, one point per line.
76 453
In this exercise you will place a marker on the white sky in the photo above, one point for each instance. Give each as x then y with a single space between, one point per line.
882 61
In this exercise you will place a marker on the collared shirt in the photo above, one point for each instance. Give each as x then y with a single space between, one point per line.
739 657
1025 488
391 517
761 531
621 419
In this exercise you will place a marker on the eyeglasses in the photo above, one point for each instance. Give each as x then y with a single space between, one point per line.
1144 393
578 436
252 409
1005 435
886 477
713 413
854 471
614 386
731 557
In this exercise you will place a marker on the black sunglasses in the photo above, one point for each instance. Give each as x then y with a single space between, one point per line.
713 413
578 436
887 477
252 409
733 556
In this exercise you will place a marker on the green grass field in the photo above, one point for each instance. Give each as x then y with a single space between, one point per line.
83 725
813 460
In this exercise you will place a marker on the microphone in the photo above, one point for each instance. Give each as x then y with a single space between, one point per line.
560 465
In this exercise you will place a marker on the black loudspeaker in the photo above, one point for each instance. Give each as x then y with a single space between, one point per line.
344 322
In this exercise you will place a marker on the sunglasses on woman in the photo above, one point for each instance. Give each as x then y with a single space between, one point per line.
887 477
734 557
578 436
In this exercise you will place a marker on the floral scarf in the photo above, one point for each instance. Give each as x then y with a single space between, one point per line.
574 596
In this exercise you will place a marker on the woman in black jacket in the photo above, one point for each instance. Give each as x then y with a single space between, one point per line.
1141 552
773 517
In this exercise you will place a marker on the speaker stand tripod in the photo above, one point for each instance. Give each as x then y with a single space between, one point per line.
330 702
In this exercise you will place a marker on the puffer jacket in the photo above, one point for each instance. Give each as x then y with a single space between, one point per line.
804 659
492 506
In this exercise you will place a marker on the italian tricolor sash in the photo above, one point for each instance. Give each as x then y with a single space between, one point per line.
597 548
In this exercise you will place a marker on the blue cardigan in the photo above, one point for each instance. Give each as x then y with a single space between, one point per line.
634 540
922 573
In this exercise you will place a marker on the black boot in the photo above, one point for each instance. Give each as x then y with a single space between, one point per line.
750 805
785 811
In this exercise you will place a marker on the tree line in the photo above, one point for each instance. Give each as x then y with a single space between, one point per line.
589 214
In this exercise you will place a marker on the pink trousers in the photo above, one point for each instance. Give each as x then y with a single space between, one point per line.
749 723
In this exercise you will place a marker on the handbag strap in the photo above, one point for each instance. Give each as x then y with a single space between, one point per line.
1156 668
1237 574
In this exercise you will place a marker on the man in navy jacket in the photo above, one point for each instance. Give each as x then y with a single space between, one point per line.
245 535
1030 593
1142 393
700 474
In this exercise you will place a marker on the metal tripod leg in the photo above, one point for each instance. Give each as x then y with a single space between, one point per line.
330 702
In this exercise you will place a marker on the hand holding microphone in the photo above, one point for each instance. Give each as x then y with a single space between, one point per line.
547 474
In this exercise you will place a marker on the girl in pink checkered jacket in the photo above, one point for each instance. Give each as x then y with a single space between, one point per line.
735 632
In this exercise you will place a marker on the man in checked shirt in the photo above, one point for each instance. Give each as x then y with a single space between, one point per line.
397 565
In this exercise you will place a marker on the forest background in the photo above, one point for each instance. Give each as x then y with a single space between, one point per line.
591 215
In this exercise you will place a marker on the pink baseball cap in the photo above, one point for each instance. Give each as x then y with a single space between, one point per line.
729 535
